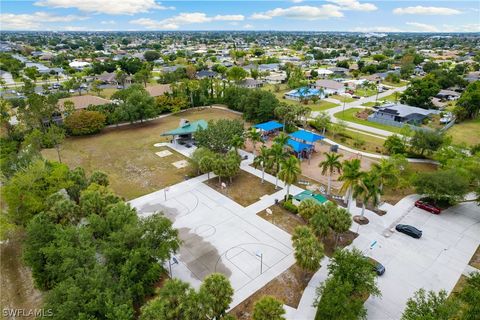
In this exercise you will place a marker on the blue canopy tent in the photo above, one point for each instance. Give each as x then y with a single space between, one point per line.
306 136
268 126
304 141
302 150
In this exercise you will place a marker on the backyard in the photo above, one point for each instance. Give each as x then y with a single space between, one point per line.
350 115
320 105
127 153
467 132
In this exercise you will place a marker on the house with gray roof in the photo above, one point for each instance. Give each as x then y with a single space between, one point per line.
398 114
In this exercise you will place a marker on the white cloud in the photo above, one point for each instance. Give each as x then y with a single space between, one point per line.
472 27
128 7
184 18
427 11
297 1
34 21
74 28
376 29
354 5
248 26
110 22
301 12
422 27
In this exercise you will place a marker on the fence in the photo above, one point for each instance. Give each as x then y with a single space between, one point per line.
397 124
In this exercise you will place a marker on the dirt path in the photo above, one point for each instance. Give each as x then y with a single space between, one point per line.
16 283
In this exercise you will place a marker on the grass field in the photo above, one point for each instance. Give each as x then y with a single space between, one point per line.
467 132
402 83
349 115
322 105
363 92
392 98
128 156
245 188
342 98
360 141
369 104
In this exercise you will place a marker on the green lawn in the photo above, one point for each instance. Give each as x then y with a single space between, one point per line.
349 115
322 105
363 92
402 83
393 97
369 104
127 153
342 98
360 141
466 132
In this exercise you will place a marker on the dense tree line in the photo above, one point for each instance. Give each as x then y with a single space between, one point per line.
85 245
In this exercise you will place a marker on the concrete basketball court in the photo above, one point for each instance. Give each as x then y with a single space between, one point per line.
220 235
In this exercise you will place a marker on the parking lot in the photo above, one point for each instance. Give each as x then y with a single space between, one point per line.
433 262
219 235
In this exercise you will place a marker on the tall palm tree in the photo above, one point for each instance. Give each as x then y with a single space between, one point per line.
281 139
278 155
237 142
290 172
330 164
351 177
263 160
368 190
387 173
254 136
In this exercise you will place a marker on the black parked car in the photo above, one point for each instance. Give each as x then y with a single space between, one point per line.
409 230
376 266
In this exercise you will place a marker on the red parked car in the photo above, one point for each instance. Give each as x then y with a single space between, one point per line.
427 207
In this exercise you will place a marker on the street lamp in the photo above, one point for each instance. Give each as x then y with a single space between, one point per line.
165 192
175 261
260 255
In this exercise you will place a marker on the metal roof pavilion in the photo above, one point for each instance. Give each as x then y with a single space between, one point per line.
306 136
268 126
299 146
187 128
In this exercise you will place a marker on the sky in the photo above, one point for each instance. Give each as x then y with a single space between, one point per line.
287 15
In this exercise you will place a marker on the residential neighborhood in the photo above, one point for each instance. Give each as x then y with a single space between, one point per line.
239 160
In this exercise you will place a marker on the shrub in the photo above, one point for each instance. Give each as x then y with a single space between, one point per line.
85 122
288 205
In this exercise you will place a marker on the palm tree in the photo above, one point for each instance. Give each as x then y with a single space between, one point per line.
387 173
330 164
368 191
308 250
290 172
278 155
351 177
237 142
263 160
281 139
255 137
